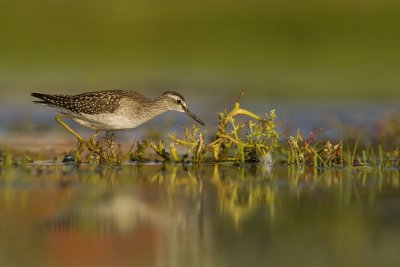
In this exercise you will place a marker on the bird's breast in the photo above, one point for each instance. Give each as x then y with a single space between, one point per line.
119 120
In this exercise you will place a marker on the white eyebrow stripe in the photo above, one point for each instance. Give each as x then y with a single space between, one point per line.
175 97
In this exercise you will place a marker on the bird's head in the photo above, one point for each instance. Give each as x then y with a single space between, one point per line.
175 101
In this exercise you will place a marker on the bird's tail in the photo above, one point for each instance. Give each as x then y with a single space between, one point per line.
43 98
51 100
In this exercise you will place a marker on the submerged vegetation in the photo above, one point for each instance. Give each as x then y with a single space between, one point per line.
241 137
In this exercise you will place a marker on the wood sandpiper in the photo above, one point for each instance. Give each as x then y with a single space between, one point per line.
112 109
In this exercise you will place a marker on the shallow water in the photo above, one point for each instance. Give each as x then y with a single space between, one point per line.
336 118
155 215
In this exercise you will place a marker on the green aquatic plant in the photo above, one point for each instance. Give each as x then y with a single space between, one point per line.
395 157
105 150
139 154
235 140
309 151
193 141
159 149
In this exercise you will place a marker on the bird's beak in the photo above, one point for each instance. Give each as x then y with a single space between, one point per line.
191 114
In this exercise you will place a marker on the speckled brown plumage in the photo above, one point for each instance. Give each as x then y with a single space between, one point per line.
114 109
88 103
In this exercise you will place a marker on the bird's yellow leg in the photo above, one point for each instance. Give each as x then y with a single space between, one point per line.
59 118
81 142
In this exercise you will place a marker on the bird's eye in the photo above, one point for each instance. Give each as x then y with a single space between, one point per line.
178 101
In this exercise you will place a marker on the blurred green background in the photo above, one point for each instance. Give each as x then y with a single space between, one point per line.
298 50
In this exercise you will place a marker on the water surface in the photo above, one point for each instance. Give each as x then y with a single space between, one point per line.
211 215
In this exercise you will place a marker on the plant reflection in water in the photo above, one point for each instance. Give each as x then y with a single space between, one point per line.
171 215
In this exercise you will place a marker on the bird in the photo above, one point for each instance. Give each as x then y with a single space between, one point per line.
111 110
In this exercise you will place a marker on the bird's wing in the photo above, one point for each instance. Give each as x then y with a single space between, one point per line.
88 103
